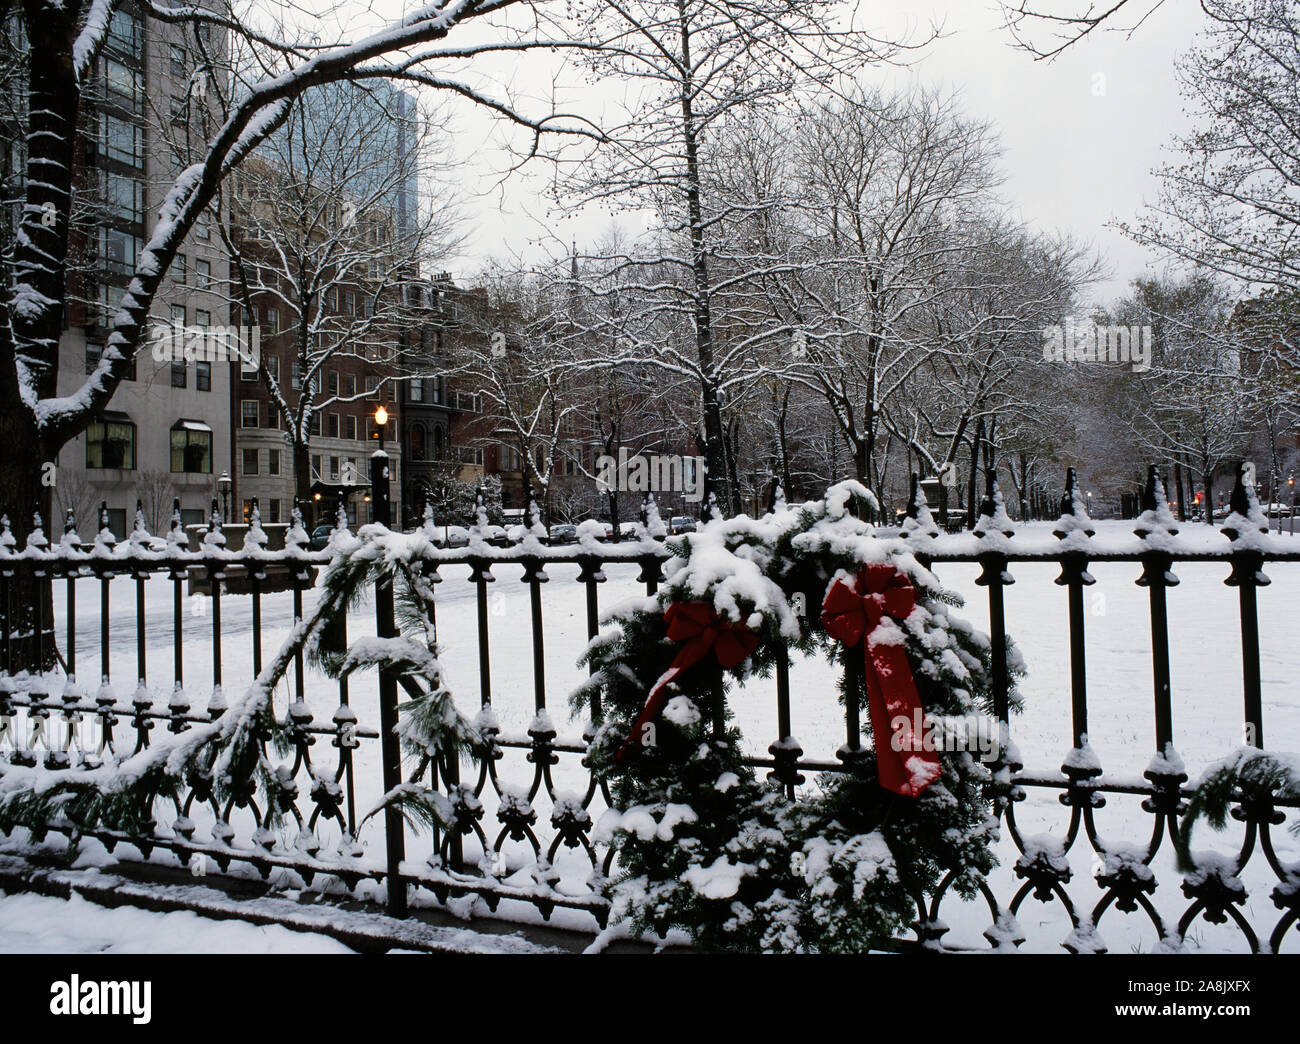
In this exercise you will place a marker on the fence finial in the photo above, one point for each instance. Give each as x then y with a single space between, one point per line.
1074 511
70 539
176 539
36 540
1156 516
140 535
993 512
104 539
1246 515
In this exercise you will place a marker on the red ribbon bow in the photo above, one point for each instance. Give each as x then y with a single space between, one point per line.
701 628
851 614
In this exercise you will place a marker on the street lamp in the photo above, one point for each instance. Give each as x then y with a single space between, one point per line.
223 486
381 422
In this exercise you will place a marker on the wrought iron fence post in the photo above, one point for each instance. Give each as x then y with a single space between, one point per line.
386 627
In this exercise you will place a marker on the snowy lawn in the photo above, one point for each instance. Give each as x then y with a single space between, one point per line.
1207 700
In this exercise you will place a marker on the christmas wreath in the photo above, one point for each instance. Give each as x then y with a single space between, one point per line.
706 845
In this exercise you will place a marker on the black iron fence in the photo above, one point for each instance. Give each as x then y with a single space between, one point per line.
532 793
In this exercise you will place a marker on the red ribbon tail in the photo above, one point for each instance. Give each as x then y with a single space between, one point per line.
653 705
891 694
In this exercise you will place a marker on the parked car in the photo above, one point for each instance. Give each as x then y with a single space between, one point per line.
450 536
679 524
320 536
564 534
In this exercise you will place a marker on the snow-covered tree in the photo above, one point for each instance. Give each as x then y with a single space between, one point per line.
691 66
318 223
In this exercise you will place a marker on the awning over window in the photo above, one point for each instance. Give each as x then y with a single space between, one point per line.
114 417
191 425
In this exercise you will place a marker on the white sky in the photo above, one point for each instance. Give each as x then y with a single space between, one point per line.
1075 159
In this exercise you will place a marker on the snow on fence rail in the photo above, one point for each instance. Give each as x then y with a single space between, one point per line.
331 766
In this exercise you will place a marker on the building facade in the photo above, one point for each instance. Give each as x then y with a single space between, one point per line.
166 432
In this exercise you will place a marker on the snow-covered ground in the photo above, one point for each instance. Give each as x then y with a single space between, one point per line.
1207 702
39 924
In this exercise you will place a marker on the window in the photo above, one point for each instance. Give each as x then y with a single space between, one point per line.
118 250
125 34
274 505
203 274
417 390
350 384
332 382
122 141
191 446
250 462
332 426
315 465
273 466
349 305
203 225
178 315
372 385
202 318
249 413
123 197
334 469
247 371
110 303
273 322
417 442
110 442
178 377
437 442
178 60
124 82
350 427
297 374
180 271
313 428
178 111
203 376
470 455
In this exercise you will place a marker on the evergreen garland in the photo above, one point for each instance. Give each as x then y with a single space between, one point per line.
704 845
229 757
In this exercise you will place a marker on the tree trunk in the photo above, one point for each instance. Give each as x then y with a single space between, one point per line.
715 478
25 482
302 484
972 505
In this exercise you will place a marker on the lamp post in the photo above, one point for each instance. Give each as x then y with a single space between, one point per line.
223 486
379 474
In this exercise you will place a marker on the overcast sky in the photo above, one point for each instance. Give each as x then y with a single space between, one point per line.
1081 134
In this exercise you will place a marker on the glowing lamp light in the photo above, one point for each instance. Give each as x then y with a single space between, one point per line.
381 416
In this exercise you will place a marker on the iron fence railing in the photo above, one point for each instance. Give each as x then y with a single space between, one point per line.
340 747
